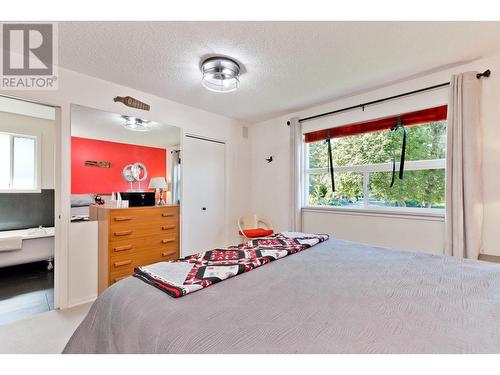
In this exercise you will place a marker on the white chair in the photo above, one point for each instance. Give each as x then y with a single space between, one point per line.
250 226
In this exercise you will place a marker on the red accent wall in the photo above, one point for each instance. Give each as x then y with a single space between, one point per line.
88 180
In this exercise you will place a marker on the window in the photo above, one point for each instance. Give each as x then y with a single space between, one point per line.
18 162
363 169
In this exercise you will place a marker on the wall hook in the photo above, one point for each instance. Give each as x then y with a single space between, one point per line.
269 159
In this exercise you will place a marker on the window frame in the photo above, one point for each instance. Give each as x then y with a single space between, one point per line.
366 169
37 164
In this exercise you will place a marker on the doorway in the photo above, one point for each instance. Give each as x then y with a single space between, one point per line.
27 214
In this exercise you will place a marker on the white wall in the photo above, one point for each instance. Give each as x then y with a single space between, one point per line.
270 182
44 130
76 88
424 234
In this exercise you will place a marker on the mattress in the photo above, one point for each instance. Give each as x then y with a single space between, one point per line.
336 297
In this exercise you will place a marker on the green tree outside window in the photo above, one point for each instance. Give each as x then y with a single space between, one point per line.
423 188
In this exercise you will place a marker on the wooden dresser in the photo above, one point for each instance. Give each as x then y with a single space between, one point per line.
131 237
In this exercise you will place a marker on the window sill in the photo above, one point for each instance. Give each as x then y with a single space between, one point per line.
427 214
20 191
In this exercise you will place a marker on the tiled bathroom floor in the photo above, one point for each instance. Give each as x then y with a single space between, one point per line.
25 291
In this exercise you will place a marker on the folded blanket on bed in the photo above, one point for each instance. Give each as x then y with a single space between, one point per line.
194 272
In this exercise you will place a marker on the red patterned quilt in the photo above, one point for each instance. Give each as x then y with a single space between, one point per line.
194 272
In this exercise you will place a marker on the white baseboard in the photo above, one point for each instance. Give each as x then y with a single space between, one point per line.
81 301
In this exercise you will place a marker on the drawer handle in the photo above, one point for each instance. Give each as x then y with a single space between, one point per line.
116 279
123 233
122 263
122 248
167 254
166 214
168 240
169 227
123 218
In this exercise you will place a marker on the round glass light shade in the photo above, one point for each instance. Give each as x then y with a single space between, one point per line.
220 74
136 124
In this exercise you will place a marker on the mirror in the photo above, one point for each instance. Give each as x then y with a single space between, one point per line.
116 153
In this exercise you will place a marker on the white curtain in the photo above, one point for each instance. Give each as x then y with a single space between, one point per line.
175 176
295 175
464 179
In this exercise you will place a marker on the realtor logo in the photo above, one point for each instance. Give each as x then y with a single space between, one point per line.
29 56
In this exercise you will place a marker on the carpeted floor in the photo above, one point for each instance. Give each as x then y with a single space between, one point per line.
46 333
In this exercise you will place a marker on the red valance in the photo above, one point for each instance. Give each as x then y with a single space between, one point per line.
408 119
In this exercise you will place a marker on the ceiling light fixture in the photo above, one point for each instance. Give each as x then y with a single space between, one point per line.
220 74
136 124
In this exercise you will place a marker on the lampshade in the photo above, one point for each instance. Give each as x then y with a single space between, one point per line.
158 183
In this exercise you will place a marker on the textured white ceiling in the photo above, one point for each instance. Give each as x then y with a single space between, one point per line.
106 126
288 66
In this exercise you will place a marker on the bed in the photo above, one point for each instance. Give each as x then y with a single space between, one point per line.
335 297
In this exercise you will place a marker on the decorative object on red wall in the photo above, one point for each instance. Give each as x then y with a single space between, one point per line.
85 180
100 164
136 172
132 102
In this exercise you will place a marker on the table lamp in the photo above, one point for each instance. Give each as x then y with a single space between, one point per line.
159 184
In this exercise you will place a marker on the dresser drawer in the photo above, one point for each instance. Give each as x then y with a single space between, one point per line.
122 268
144 224
121 264
140 215
141 259
146 229
169 254
120 274
126 264
129 247
155 256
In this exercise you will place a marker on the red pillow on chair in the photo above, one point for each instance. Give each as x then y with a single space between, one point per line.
258 232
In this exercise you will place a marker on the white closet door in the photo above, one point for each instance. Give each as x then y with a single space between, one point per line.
203 198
